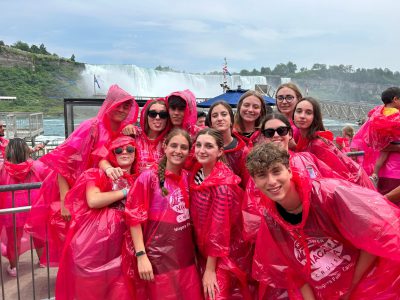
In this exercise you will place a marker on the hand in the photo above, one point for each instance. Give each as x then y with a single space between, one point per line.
210 284
129 130
114 173
65 214
145 268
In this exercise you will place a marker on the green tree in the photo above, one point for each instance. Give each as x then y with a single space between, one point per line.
72 57
21 46
2 43
35 49
280 69
43 50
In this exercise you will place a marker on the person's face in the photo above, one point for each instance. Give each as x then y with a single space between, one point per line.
275 182
281 141
303 115
201 121
177 150
120 112
251 109
220 118
176 115
286 101
125 158
155 122
206 150
2 128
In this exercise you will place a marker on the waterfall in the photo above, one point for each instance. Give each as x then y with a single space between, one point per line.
148 82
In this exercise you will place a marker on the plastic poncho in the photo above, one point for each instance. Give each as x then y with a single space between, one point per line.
215 208
190 117
327 152
323 249
167 235
82 150
90 266
383 129
26 172
150 151
251 141
236 159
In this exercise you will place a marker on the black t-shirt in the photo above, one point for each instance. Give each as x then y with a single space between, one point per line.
288 217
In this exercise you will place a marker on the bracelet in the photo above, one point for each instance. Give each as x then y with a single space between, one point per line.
140 253
125 192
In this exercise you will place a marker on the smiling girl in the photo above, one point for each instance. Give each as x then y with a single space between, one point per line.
161 261
315 139
215 210
251 110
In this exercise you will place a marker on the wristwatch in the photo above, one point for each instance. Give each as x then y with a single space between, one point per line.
140 253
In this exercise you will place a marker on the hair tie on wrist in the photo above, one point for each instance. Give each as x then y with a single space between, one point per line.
125 192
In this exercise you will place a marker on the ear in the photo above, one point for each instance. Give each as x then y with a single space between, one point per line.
221 151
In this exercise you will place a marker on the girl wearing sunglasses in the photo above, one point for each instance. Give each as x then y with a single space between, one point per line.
215 208
90 267
161 261
318 141
220 117
251 110
149 137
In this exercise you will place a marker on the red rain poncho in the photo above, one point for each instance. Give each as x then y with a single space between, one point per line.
150 151
190 117
26 172
90 266
251 141
83 149
167 235
327 152
215 208
323 249
236 160
383 129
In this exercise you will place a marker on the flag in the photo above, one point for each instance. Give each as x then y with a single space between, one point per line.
95 81
225 69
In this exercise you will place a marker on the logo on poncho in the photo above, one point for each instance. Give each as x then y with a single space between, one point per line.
325 254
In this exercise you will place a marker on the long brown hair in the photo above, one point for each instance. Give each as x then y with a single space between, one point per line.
17 151
238 120
317 124
217 137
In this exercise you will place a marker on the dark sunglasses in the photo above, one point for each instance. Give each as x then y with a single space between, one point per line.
153 114
129 149
270 132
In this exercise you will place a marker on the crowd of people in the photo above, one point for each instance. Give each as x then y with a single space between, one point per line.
220 205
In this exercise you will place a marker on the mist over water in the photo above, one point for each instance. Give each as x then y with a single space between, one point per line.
148 82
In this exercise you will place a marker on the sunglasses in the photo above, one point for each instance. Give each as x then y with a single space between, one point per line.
153 114
270 132
129 149
288 98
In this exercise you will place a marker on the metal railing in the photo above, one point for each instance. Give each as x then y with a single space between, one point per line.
14 211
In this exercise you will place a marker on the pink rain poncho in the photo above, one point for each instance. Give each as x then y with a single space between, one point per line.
150 151
82 150
167 235
190 117
90 266
323 249
215 208
251 141
236 160
26 172
326 151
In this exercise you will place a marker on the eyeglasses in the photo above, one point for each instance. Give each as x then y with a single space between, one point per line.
153 114
270 132
288 98
128 149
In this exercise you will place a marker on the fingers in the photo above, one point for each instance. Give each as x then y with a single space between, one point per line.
147 275
114 173
210 290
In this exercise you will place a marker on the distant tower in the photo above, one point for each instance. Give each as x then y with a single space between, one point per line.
225 72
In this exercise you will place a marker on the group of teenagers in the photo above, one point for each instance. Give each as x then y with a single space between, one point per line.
254 205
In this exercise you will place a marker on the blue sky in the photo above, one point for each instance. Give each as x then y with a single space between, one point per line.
195 36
